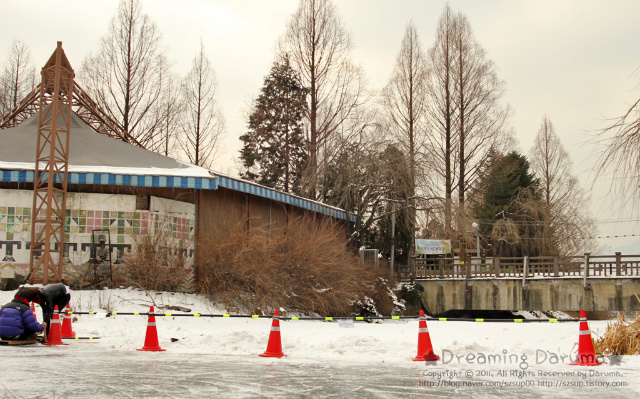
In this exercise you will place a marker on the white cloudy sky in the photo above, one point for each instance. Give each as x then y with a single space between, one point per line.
572 60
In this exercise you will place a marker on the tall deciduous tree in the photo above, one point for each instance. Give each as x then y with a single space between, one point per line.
275 149
442 112
572 227
170 112
481 120
467 118
18 76
319 48
125 76
405 105
203 123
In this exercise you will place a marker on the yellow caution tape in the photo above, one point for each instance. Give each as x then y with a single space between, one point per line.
226 315
479 320
442 319
295 318
328 318
114 313
553 320
395 317
136 313
196 315
167 314
359 318
255 316
517 320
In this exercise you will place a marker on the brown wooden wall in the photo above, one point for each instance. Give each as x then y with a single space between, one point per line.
224 210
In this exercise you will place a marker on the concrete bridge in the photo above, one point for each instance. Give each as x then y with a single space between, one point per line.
608 283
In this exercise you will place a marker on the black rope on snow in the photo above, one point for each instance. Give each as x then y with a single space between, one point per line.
356 318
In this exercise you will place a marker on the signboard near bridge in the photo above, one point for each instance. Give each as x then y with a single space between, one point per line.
433 247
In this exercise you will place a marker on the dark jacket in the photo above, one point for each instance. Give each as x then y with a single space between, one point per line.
16 318
53 295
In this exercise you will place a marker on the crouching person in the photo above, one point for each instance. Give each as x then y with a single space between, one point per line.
49 297
17 321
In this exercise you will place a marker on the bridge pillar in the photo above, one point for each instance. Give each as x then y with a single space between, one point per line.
588 302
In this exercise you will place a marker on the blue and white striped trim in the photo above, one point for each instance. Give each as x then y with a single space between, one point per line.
264 192
27 176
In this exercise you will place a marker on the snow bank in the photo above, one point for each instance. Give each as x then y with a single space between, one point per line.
386 341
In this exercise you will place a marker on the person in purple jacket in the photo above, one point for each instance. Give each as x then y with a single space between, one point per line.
17 321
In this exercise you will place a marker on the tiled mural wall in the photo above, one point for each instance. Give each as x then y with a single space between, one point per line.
115 215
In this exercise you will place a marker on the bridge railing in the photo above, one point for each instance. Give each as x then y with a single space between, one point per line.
617 265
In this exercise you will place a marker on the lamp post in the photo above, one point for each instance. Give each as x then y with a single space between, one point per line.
476 226
393 235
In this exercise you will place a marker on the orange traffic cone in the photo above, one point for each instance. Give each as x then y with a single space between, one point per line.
54 331
151 339
586 353
33 310
67 328
274 347
425 350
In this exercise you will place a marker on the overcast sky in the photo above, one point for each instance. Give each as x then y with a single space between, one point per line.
574 61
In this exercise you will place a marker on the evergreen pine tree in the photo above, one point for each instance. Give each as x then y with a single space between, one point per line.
274 152
508 207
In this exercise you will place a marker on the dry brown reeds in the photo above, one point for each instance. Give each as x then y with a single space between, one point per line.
620 338
304 266
157 262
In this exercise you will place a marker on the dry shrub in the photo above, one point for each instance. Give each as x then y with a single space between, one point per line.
157 262
621 338
304 267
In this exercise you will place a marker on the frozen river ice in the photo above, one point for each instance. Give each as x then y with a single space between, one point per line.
84 370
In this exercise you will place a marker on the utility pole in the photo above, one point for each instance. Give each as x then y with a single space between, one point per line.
476 226
393 234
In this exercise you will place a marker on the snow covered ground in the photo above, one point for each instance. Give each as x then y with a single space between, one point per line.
218 357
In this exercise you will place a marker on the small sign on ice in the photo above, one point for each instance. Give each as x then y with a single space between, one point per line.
345 323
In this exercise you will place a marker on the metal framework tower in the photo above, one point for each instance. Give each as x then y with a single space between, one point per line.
52 161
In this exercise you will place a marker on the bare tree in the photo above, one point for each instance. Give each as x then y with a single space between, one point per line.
481 121
566 203
171 112
18 76
619 146
466 117
203 122
405 105
125 76
318 47
442 112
